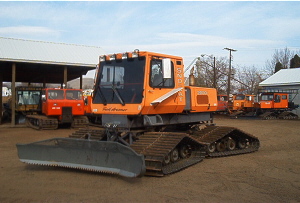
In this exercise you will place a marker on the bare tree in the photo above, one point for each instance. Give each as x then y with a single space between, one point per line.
282 56
247 79
206 76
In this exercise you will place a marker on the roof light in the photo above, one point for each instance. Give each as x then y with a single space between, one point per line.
119 56
107 58
129 54
112 57
124 56
102 58
135 54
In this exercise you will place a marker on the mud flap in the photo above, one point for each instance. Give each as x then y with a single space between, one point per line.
99 156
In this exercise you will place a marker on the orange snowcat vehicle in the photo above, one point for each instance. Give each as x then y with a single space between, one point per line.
243 104
274 103
59 106
151 122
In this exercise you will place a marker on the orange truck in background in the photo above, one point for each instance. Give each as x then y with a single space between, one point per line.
275 104
271 104
241 104
59 106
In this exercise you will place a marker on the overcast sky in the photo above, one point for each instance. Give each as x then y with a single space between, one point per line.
187 29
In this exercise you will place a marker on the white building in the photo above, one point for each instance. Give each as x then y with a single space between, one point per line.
285 79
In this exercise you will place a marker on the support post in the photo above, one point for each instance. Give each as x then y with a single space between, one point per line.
80 82
13 95
1 85
65 76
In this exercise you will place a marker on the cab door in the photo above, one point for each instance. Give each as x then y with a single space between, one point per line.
165 87
280 101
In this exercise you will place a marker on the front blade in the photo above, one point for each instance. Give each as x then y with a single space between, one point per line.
100 156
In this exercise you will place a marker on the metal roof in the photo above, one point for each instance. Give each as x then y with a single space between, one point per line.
20 50
44 62
283 77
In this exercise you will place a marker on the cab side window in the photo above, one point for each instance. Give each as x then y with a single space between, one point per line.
277 99
156 75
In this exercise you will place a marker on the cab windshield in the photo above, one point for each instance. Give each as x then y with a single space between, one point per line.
267 97
28 97
73 94
240 97
56 94
120 81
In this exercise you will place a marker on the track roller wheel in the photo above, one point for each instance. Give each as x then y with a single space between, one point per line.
221 146
174 155
37 124
184 151
231 144
211 148
167 159
242 144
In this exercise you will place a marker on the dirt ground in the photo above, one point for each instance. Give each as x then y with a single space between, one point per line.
271 174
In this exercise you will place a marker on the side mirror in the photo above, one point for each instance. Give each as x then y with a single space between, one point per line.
166 65
43 97
85 100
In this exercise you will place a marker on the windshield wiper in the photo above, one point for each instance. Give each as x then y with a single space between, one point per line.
102 96
118 94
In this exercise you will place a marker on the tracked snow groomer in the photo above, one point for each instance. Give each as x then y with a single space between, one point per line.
26 103
271 104
58 106
151 122
275 103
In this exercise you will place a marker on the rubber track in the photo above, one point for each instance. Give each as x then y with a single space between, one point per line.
80 122
45 123
89 133
156 145
213 134
268 116
288 115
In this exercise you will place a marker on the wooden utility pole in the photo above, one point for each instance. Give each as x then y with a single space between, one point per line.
215 74
229 72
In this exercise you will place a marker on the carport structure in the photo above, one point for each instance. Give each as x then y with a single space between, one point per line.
43 62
